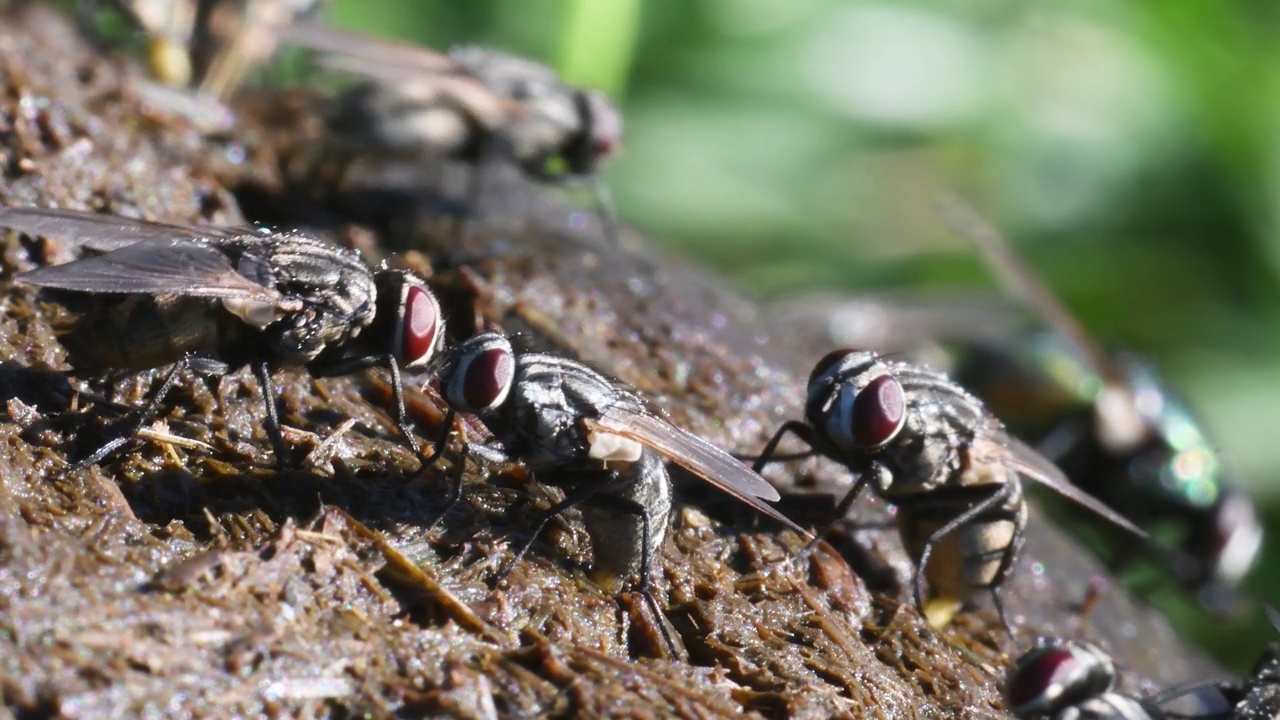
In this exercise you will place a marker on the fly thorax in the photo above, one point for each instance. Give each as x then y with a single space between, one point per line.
546 425
919 460
298 338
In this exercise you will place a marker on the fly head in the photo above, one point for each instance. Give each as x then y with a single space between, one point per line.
855 401
600 134
408 323
478 374
1056 675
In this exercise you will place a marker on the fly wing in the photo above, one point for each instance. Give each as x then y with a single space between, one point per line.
373 52
995 446
101 232
1022 283
698 457
415 71
893 322
177 266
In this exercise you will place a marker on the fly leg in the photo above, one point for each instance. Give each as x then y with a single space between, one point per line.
998 495
263 371
347 366
454 491
611 481
489 151
631 507
841 510
606 211
143 415
769 454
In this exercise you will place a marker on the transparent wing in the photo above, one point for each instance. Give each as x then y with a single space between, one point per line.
411 69
374 52
101 232
1021 282
897 321
181 267
996 446
698 457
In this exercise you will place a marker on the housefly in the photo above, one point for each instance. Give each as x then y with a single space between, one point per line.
1113 426
470 103
1061 679
584 432
213 299
1056 676
932 450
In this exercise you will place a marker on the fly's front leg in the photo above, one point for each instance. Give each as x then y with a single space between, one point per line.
801 430
402 415
606 211
490 152
349 365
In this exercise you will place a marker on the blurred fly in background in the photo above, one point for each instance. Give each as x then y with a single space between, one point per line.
1116 429
469 103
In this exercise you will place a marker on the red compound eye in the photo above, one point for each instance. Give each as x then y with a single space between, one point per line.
1031 682
488 378
878 412
420 326
483 374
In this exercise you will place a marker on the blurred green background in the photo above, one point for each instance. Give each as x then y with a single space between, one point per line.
1131 150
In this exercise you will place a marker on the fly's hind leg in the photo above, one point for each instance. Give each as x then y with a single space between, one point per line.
998 495
142 416
631 507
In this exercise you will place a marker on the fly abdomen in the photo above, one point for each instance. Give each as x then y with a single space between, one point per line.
140 332
627 525
978 554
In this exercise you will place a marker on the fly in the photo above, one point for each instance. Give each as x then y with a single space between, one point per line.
1071 680
577 429
1055 676
473 104
214 299
932 450
1132 443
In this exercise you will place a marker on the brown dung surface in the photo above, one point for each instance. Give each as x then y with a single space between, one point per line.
177 582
